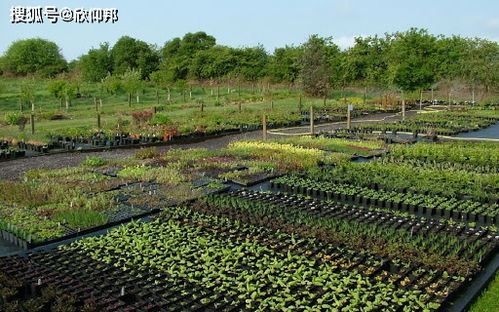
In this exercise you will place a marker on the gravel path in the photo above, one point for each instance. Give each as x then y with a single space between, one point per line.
14 169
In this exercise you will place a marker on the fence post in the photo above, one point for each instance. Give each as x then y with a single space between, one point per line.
264 126
312 128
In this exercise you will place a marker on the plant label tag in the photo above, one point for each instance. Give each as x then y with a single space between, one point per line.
350 107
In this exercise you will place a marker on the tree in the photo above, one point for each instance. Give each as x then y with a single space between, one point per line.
178 54
131 82
480 64
96 64
33 56
129 53
69 93
411 60
111 84
315 69
27 93
56 88
284 65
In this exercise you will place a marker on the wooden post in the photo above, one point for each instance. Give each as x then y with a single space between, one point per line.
403 106
432 97
448 100
349 116
32 117
202 107
100 104
300 106
240 106
98 121
95 103
312 129
271 104
325 99
157 96
421 100
264 127
218 92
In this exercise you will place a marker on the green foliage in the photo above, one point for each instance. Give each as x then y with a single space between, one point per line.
316 66
111 83
13 118
80 218
96 64
94 161
159 119
129 53
146 153
412 60
33 56
57 88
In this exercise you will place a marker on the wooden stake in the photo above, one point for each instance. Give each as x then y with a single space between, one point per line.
312 128
32 120
264 127
403 106
98 121
349 119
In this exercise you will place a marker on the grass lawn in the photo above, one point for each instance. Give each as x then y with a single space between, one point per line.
489 299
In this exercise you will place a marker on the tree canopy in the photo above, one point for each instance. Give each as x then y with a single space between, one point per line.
33 56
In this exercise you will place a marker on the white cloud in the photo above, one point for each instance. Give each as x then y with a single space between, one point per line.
345 42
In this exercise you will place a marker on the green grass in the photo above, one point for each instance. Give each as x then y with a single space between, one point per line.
489 299
186 115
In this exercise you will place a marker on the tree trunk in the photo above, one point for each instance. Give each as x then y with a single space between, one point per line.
138 98
218 92
169 95
240 106
67 104
365 95
60 102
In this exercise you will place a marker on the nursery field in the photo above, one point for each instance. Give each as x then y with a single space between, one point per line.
185 110
302 223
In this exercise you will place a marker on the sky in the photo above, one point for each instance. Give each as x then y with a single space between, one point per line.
271 23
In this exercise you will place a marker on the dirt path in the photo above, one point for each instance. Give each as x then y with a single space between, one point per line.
14 169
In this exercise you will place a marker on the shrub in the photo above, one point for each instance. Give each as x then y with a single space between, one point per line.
13 119
146 153
141 117
94 161
159 119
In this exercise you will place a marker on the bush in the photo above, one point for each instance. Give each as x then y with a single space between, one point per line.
141 117
13 119
94 161
159 119
146 153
